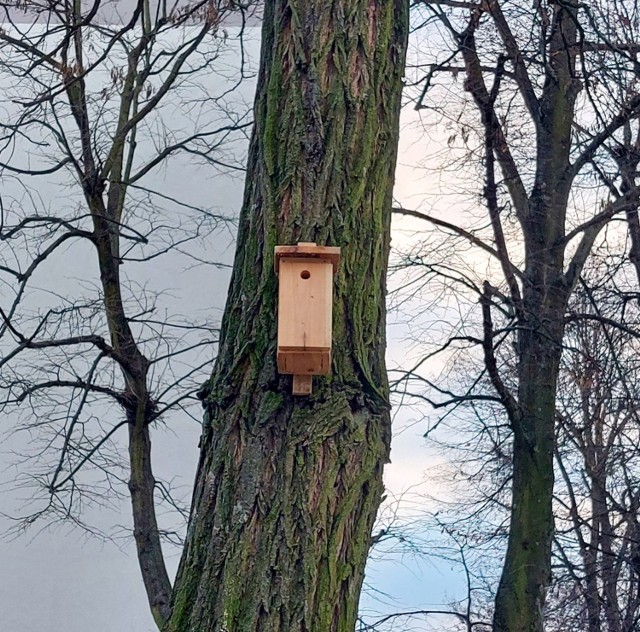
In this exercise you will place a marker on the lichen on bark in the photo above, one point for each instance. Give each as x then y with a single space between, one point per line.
287 488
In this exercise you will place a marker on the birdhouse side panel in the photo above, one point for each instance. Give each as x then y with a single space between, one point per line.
305 305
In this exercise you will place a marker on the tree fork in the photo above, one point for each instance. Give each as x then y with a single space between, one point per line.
288 488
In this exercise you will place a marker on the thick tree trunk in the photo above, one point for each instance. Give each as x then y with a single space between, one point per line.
287 488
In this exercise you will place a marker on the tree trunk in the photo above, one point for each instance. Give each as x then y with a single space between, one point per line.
527 568
287 488
546 288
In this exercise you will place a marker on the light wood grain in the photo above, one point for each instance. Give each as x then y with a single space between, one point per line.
302 384
305 305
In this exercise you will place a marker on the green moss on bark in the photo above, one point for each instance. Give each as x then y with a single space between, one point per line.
288 488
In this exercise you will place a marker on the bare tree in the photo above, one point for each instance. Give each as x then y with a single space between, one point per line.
101 104
597 537
287 489
545 122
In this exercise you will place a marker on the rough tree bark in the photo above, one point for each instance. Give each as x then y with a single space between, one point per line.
287 488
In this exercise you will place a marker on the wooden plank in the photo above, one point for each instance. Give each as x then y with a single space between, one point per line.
306 250
302 384
305 299
296 362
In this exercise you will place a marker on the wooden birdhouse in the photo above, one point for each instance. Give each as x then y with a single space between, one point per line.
305 302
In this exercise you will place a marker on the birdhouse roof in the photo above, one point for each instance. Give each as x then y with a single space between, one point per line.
304 250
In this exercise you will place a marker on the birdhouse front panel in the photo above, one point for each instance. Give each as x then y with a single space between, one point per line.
304 316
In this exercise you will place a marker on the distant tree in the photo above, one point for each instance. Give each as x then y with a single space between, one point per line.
547 122
98 102
596 584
